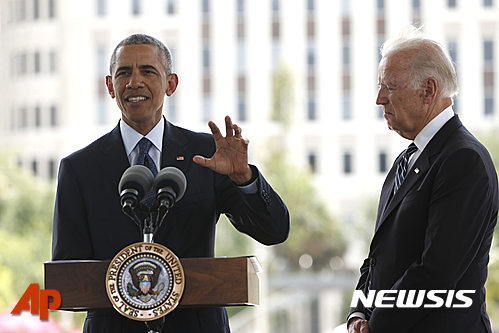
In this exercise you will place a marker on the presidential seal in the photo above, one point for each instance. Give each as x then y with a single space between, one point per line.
145 281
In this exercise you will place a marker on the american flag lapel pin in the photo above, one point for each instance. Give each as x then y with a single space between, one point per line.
180 158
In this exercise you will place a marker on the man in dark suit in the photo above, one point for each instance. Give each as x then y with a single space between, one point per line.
88 221
434 227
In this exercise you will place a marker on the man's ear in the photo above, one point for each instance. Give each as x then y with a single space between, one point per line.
110 87
431 89
172 83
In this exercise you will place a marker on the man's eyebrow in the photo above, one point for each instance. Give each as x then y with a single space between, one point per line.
123 68
148 67
127 68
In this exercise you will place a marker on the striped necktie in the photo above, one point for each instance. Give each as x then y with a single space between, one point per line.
145 159
402 166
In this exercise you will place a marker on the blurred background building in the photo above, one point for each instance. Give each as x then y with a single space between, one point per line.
233 57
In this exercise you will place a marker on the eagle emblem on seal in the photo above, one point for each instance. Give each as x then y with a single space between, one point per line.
145 276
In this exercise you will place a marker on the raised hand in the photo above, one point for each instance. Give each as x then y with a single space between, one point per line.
231 156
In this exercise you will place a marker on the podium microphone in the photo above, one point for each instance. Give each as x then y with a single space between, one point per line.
169 186
134 187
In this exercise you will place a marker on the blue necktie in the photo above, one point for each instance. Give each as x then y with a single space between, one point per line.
402 166
146 160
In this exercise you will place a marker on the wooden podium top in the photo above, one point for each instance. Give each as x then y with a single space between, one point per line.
208 282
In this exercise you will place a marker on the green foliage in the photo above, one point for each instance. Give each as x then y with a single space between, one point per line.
491 141
26 206
313 230
282 101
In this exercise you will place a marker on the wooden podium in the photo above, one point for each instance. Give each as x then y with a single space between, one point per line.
208 282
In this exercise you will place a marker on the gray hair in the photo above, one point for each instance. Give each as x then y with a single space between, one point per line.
139 39
430 59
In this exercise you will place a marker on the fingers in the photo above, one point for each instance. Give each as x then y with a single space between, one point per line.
203 161
231 130
359 326
214 130
228 127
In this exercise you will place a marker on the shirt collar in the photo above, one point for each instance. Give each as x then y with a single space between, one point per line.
429 131
131 137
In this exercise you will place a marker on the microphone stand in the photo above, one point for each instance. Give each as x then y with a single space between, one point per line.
153 326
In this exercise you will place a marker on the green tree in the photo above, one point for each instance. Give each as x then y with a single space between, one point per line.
491 141
26 206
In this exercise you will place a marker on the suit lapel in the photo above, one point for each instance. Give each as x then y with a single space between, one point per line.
114 160
174 152
414 174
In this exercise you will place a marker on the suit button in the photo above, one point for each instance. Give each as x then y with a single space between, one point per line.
372 262
267 197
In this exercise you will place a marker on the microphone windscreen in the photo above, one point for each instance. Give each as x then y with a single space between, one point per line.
139 178
171 177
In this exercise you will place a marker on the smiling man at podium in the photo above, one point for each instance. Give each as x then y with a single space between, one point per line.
88 218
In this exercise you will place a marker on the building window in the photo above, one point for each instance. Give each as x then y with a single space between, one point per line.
38 116
311 112
488 3
312 162
347 163
452 3
311 56
416 5
171 7
241 108
101 8
380 112
488 51
24 117
53 116
488 77
51 9
52 62
34 167
36 9
310 5
383 165
380 5
206 57
275 7
51 169
136 7
346 54
240 6
37 62
489 105
205 6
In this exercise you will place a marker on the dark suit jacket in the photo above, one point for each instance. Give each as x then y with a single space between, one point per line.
89 223
435 234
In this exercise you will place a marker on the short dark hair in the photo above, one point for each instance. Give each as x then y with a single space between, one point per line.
139 39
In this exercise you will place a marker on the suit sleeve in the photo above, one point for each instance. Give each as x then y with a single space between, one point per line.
70 238
461 215
261 215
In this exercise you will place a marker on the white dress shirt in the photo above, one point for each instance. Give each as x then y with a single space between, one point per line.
131 137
